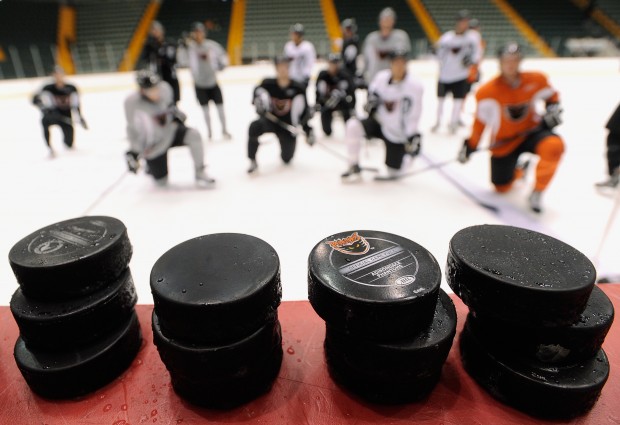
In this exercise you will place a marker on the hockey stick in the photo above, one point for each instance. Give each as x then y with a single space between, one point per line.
106 192
296 131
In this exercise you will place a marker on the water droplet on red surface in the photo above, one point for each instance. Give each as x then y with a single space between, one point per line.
123 407
290 350
107 407
153 412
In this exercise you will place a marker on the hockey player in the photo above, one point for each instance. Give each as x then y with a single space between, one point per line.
335 91
507 105
160 56
206 57
457 51
350 46
155 125
280 103
59 101
613 151
394 107
302 56
378 44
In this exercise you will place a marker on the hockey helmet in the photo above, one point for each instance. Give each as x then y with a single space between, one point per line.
350 24
297 28
334 58
474 23
281 59
147 79
387 12
462 14
399 52
510 48
199 26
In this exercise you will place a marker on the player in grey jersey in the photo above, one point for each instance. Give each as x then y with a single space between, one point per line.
379 44
206 57
155 125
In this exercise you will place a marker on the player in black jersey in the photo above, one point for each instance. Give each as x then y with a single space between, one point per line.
335 91
160 56
613 151
281 105
350 48
58 101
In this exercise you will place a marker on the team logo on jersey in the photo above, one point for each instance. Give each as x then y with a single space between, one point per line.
281 107
517 112
455 50
389 105
351 245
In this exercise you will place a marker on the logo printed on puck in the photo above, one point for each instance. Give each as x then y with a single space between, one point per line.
71 238
381 263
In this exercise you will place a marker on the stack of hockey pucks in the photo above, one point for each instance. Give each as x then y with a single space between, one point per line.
215 321
536 321
389 327
75 306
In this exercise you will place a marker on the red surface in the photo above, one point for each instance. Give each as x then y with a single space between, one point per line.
302 394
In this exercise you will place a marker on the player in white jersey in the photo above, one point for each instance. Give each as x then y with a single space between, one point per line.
155 125
302 56
206 57
394 107
457 51
378 44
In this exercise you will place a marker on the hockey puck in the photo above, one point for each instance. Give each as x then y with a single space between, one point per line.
64 325
397 372
371 283
71 258
217 361
518 275
217 288
551 344
69 374
233 391
536 388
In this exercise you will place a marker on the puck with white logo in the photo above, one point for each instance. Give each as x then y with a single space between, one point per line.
551 344
519 275
394 372
549 391
64 325
73 373
216 288
222 376
373 284
71 258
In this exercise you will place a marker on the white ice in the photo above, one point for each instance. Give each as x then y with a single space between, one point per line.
294 207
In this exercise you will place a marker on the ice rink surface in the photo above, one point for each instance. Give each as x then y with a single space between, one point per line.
294 207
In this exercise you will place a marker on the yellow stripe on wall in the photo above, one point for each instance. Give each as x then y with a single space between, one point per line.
236 32
332 23
425 19
139 37
66 36
601 17
524 28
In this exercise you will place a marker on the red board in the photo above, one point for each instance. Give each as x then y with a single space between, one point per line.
302 394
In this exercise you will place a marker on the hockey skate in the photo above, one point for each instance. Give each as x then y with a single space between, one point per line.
354 173
203 181
611 182
162 183
535 201
253 167
310 138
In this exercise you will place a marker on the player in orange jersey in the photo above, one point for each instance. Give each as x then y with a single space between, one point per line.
507 106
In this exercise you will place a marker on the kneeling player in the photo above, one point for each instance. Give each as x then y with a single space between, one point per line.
155 125
506 104
335 91
281 105
394 107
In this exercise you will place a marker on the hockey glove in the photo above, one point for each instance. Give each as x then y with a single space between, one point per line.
133 164
261 103
413 145
465 152
467 61
178 115
553 115
372 104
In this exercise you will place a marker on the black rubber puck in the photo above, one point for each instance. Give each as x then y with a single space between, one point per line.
217 361
233 391
71 258
373 284
73 373
392 373
552 344
64 325
217 288
519 275
548 391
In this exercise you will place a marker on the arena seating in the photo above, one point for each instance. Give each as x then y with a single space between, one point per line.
27 38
